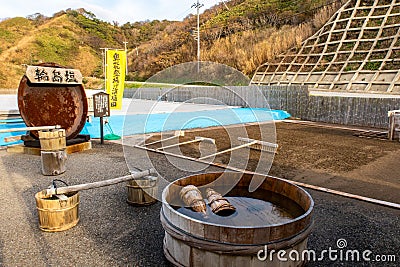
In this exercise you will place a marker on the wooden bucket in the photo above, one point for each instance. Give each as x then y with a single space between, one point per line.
194 242
57 215
140 191
52 140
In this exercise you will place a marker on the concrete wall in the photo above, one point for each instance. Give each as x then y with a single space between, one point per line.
367 110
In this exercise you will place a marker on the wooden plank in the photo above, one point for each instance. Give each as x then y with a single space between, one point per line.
79 147
40 74
180 144
21 149
12 138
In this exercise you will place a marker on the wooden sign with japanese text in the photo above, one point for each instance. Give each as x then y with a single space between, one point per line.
101 105
39 74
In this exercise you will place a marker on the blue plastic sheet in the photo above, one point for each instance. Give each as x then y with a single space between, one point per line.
143 123
10 124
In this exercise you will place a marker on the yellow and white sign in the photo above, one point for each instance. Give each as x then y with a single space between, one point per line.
115 76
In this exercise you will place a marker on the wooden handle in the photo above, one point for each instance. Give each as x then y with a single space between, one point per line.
161 140
228 150
80 187
180 144
30 129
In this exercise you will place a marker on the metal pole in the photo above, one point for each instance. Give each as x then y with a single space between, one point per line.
198 6
126 63
105 66
198 32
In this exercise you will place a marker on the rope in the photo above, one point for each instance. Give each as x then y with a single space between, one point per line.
54 185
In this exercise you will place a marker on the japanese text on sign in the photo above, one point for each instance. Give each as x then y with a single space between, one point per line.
101 105
116 63
39 74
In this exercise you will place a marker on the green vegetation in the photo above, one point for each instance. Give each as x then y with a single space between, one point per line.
5 34
372 65
16 23
101 33
261 13
135 85
11 30
56 46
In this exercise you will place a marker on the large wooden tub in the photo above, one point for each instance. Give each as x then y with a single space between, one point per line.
192 241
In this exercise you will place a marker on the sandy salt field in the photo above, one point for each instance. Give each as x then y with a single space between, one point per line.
111 232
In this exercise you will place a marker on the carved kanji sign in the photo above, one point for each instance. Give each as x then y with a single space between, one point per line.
39 74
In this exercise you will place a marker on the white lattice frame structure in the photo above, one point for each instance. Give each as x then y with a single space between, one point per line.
357 50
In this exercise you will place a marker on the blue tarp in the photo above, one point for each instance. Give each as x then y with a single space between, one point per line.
144 123
10 124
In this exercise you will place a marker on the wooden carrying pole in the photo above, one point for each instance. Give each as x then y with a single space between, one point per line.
80 187
176 134
197 139
229 150
180 144
31 129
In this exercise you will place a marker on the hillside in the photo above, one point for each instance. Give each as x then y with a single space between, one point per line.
244 36
250 33
71 38
56 40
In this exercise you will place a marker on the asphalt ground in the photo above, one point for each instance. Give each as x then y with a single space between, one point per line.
112 233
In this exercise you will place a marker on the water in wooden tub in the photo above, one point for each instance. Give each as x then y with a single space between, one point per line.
257 209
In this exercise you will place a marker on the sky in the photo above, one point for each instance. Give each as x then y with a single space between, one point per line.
108 10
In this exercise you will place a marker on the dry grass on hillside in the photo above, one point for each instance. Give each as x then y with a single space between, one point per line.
248 50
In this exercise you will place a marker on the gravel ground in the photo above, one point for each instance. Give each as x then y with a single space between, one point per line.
113 233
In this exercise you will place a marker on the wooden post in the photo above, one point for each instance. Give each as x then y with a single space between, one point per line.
53 162
391 126
101 131
53 154
101 107
394 117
